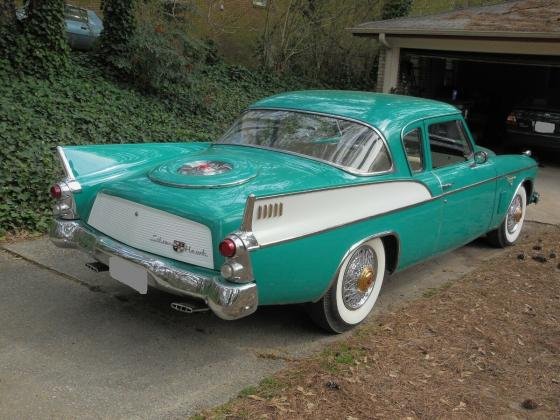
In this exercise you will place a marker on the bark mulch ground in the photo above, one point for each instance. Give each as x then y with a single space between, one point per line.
487 345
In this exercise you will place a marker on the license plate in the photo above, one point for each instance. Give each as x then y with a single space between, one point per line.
544 127
128 273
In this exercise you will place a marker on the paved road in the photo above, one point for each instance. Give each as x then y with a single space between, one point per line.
74 342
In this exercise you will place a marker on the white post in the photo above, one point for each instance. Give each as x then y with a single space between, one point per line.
391 70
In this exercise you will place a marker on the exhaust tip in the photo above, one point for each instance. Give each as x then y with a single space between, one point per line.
188 307
97 266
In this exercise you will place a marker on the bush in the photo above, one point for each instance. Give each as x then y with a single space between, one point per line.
118 28
40 47
158 60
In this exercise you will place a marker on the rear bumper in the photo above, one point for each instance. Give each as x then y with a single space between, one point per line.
226 299
533 140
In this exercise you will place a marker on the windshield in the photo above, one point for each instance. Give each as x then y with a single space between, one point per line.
343 143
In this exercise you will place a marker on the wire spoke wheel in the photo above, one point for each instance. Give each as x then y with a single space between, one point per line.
359 277
353 294
515 213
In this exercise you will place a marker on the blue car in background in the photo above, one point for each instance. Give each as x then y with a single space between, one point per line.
83 26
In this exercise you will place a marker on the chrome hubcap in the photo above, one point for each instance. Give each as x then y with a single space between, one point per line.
515 214
359 277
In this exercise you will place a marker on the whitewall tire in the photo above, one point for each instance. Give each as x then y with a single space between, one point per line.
510 229
354 292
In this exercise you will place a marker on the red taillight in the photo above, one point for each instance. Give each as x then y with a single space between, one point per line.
56 191
227 248
511 119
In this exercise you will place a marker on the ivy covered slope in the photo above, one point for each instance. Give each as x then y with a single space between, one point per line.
84 107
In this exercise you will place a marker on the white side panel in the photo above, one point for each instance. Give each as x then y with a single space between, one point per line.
152 230
307 213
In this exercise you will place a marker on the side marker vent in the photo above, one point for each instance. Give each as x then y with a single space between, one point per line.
267 211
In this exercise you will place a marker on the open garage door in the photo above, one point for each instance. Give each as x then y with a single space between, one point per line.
488 88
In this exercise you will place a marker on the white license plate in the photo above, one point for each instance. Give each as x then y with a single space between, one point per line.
133 275
544 127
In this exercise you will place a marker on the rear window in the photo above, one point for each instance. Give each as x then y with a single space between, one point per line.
346 144
75 13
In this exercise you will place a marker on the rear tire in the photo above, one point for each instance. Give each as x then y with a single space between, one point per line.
352 296
510 229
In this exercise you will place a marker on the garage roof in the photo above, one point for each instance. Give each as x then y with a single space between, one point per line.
522 18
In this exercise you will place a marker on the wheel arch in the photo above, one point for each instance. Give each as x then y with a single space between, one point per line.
528 184
391 244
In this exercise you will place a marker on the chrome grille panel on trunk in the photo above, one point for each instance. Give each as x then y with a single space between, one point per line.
152 230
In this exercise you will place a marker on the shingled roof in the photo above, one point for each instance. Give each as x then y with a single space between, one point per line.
522 18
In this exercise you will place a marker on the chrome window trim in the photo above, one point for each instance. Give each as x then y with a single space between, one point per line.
465 134
423 119
323 114
412 172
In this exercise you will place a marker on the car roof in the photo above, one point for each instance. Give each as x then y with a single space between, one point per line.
387 112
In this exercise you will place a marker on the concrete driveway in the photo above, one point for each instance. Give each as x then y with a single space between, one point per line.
78 344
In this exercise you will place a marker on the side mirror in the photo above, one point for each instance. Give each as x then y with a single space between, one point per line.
480 157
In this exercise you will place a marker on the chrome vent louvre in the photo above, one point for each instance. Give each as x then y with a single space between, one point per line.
267 211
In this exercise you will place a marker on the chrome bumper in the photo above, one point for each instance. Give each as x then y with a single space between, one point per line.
226 299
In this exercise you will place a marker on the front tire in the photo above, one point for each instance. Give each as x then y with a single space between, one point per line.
352 296
510 229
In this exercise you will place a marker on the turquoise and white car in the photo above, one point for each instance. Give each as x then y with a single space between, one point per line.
310 197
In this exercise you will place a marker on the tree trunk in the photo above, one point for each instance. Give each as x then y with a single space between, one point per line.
7 14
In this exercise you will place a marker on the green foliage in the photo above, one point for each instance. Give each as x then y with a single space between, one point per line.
310 39
118 29
84 107
40 48
7 26
158 60
248 390
395 8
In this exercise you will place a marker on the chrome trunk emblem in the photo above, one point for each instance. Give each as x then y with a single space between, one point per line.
179 246
205 168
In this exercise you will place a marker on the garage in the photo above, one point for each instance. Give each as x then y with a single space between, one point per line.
499 64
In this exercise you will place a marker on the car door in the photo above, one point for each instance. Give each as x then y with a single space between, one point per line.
468 189
426 218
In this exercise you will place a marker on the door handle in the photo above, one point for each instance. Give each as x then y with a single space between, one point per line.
446 186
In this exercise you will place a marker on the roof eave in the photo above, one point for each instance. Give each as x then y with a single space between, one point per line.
360 31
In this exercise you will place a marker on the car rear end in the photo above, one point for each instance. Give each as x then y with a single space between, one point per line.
534 128
139 244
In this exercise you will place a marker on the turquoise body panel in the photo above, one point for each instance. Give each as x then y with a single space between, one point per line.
301 270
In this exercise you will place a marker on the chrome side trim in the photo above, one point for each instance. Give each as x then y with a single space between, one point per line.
247 223
70 180
199 186
227 300
336 187
324 114
265 245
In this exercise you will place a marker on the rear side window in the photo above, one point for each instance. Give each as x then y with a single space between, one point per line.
412 142
448 143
